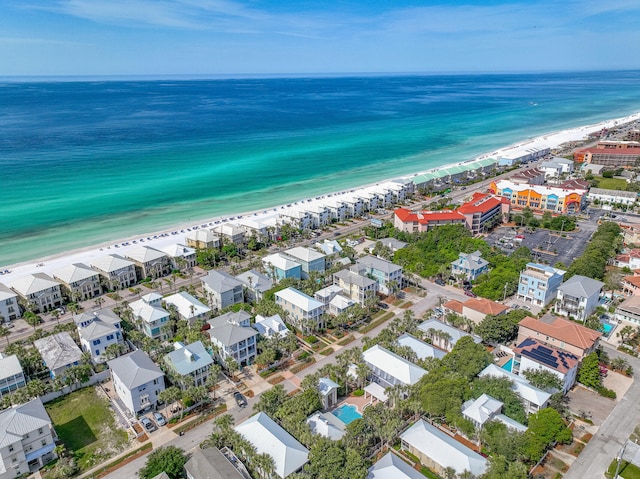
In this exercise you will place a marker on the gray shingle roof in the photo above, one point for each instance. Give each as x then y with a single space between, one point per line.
135 369
581 286
230 334
210 463
17 421
220 281
187 359
58 350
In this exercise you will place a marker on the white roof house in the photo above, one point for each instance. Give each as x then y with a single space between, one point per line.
98 330
306 255
454 333
11 374
270 325
431 445
73 273
144 254
190 360
9 308
299 299
329 247
178 250
256 283
482 409
533 397
391 368
111 263
326 425
392 467
423 350
58 352
189 308
269 438
34 283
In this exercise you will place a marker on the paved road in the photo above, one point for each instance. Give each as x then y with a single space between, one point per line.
607 443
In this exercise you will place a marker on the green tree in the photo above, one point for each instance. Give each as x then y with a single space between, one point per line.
5 333
543 379
169 459
502 328
545 428
589 372
467 358
271 400
501 468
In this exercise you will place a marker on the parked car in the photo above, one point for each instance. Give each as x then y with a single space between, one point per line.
241 401
471 294
160 420
148 425
439 281
383 306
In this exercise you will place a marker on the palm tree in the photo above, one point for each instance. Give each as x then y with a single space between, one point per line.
56 314
212 379
5 332
99 301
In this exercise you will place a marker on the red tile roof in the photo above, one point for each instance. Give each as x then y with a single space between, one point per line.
425 217
613 151
453 305
563 330
632 280
481 203
485 306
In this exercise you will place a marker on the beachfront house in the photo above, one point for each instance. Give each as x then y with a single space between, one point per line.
578 297
39 291
532 354
231 232
11 374
150 262
188 308
270 325
443 335
222 290
390 466
539 283
98 330
439 451
387 274
150 317
9 308
203 239
59 352
271 439
533 398
116 271
301 310
357 287
190 364
255 284
469 265
310 260
78 282
233 337
210 463
28 439
181 256
137 381
561 333
279 267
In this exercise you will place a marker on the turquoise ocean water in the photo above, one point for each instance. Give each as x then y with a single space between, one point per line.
84 162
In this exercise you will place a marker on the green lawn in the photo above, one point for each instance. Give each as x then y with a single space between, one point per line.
612 183
85 424
627 471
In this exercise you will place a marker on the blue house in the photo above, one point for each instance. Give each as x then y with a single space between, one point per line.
469 265
539 283
279 267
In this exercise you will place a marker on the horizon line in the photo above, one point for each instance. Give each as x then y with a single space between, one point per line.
264 75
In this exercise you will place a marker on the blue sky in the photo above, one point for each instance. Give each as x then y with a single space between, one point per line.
182 37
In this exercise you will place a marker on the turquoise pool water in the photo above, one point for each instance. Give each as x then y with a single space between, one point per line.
608 327
508 365
347 413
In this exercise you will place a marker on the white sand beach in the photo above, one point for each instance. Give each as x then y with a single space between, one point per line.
163 239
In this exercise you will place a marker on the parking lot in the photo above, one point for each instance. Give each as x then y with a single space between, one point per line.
546 246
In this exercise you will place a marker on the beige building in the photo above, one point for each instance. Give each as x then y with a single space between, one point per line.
79 282
40 290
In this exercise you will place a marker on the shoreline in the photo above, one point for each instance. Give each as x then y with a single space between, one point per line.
163 238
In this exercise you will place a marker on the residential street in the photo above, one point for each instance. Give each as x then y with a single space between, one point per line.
607 443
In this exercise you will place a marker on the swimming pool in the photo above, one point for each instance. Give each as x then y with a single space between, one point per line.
508 365
608 327
347 413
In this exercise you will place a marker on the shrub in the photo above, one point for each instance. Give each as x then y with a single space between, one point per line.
311 339
358 392
607 393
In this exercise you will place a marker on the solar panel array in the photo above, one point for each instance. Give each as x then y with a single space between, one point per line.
553 358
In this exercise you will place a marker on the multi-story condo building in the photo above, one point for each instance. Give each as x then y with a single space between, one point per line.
539 198
611 157
9 308
150 263
181 256
117 272
79 282
304 312
203 239
11 374
539 283
28 439
40 290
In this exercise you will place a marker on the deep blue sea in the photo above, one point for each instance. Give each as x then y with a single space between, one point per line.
83 162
